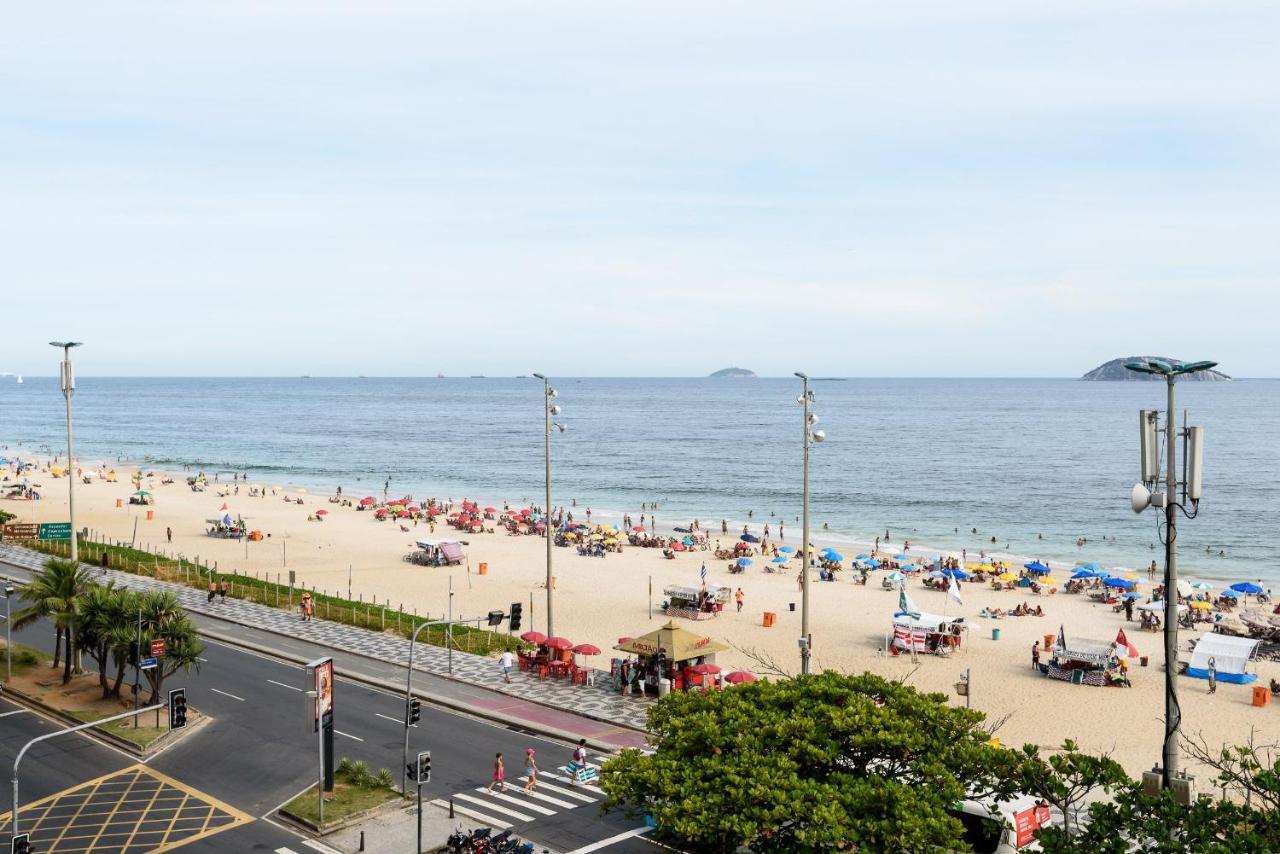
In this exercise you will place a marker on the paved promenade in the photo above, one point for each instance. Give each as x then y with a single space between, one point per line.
598 702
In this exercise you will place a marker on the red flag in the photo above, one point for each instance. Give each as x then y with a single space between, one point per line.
1121 640
223 507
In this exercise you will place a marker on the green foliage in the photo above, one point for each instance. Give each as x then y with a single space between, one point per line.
356 773
6 516
55 593
1066 778
816 763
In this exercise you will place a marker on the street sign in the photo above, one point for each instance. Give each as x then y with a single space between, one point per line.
157 648
147 664
21 531
55 531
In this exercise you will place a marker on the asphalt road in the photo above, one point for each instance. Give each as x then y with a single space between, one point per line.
259 750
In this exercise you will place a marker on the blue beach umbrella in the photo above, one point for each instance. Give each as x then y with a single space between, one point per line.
835 557
958 573
778 559
1246 587
786 549
1084 573
1121 583
1036 567
749 538
863 556
1229 592
744 561
901 558
937 573
1131 596
1092 567
873 563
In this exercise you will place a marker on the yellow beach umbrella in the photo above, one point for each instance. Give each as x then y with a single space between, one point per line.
1008 576
976 567
1048 579
1133 576
1201 606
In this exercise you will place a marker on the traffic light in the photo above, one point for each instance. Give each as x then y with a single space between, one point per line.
516 610
21 844
133 653
177 708
411 770
424 767
495 618
414 712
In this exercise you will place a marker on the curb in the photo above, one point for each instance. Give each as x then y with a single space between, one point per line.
350 821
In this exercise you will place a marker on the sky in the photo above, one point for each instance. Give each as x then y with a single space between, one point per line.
662 189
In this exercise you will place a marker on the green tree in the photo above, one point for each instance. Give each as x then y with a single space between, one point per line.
817 763
102 609
1065 779
55 593
165 619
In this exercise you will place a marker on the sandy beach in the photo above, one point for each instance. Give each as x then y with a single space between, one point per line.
600 599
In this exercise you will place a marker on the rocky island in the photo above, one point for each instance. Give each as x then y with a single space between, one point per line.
735 373
1115 370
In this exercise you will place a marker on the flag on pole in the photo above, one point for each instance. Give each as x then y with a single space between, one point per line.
1062 636
953 590
906 606
704 570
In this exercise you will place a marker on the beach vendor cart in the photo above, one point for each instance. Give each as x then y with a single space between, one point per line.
224 527
142 497
695 603
665 660
437 553
1083 662
927 633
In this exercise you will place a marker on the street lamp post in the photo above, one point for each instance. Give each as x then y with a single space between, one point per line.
809 435
8 636
549 410
68 388
1190 489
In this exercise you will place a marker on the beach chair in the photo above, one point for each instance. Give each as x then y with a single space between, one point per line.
581 774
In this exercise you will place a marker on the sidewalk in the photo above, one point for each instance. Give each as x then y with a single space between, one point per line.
475 684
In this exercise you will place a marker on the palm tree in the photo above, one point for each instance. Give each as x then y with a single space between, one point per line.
165 619
55 593
106 629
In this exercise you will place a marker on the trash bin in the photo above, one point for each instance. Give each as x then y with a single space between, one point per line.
484 568
769 617
119 502
1048 641
995 634
151 515
664 687
1261 695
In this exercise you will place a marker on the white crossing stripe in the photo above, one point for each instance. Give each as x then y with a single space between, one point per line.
285 851
605 843
543 797
502 824
498 809
586 787
560 791
523 804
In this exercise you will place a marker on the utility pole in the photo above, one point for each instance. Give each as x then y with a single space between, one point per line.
1141 499
68 388
549 410
808 435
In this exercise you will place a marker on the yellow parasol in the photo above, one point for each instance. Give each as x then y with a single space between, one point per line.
1201 606
679 643
1048 579
1008 576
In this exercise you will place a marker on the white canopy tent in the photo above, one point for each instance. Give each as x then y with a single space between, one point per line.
1230 657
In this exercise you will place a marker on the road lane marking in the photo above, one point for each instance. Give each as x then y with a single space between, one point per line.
348 735
605 843
389 718
282 685
225 694
472 813
559 790
14 712
498 809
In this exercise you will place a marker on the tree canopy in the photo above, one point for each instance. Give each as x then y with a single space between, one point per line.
817 763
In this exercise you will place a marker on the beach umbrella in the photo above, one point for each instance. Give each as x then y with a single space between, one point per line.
749 538
833 556
322 512
786 549
1036 567
1131 596
1092 567
1008 576
1084 573
558 643
1120 583
744 561
1048 579
1231 593
1246 587
1201 606
737 677
958 573
1159 607
678 546
533 637
873 563
623 641
937 573
491 509
779 559
975 567
1202 585
705 668
639 529
896 576
902 558
587 649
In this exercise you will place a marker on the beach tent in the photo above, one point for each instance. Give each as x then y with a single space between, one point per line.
678 643
1084 573
1230 656
1036 567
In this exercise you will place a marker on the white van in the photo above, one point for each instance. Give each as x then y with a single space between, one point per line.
1006 831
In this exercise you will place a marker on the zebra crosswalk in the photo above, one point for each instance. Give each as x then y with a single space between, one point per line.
554 793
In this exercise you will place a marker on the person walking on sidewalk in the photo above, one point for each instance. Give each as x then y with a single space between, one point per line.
222 591
499 776
213 591
530 770
508 661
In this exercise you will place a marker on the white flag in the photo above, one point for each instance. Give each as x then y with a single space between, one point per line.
954 590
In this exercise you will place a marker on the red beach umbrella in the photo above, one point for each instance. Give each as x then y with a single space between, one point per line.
705 668
639 529
738 677
558 643
587 649
533 637
491 509
367 500
677 546
622 641
322 512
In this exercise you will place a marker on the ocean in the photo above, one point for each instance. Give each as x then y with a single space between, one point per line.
1035 463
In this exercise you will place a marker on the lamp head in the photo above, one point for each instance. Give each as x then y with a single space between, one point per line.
555 410
818 436
1139 498
540 376
66 345
802 376
552 394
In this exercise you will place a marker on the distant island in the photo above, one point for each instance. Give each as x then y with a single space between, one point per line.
1116 371
735 373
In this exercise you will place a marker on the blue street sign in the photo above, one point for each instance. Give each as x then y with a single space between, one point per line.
147 663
